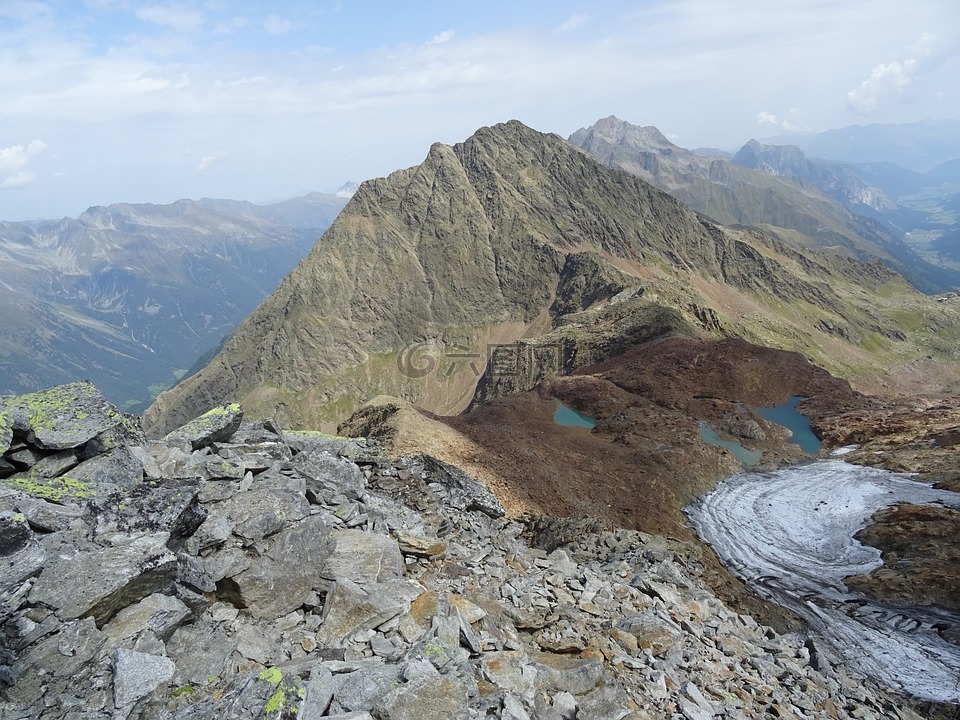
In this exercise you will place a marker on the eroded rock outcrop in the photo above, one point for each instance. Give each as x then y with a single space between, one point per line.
327 580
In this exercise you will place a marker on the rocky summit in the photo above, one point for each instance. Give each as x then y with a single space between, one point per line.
236 570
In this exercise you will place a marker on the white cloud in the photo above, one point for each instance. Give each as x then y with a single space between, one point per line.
15 161
178 17
885 86
211 160
889 83
276 25
441 38
788 123
572 23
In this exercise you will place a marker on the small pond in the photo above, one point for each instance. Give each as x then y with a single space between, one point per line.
747 457
797 423
568 417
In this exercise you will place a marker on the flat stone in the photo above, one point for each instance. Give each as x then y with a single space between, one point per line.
160 614
62 417
362 688
328 476
603 703
511 671
350 607
201 651
362 557
217 424
21 554
562 672
137 674
63 659
437 697
98 582
283 579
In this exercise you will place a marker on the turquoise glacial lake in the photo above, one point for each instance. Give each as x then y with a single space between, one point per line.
785 415
568 417
747 457
797 423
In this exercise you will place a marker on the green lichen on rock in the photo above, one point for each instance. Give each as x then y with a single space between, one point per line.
278 703
272 675
66 416
55 489
216 424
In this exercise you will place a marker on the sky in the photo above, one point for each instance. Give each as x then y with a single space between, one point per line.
105 101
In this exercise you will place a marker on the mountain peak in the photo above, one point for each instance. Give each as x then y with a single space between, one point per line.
612 130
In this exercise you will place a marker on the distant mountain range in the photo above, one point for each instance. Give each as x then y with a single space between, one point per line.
807 202
918 146
130 296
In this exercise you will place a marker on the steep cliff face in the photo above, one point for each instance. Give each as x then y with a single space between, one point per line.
515 235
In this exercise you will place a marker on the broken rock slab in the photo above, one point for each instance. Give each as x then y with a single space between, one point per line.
215 425
137 674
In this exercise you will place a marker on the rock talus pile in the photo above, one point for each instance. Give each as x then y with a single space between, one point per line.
233 570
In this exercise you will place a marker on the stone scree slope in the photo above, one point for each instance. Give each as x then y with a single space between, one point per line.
232 570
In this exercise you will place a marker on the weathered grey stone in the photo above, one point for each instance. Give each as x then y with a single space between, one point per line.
350 607
510 670
420 546
62 417
328 476
27 457
565 704
155 506
21 557
109 471
137 674
6 426
201 651
362 557
159 614
562 672
463 492
211 467
259 513
217 424
651 631
288 572
46 516
98 582
438 697
63 659
258 643
362 688
513 709
214 530
603 703
318 692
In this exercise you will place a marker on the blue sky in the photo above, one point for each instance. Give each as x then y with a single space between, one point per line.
106 101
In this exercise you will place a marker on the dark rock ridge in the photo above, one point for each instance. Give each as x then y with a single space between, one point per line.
244 572
131 295
513 236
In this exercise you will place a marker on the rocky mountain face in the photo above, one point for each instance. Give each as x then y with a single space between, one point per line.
517 256
131 295
236 570
809 203
835 180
